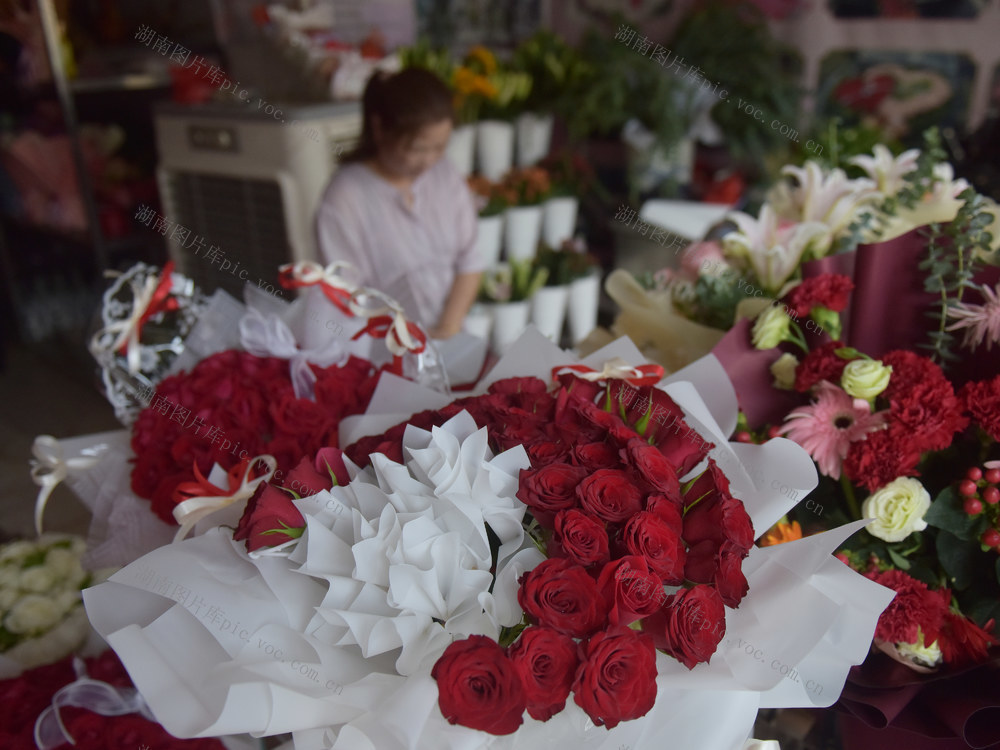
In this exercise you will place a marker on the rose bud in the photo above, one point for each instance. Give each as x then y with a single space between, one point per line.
269 519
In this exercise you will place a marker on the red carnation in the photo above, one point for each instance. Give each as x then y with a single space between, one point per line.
930 413
909 370
829 290
820 364
881 457
982 400
915 606
963 642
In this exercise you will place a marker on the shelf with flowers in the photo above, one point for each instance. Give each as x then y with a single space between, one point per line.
505 299
571 292
525 190
491 204
571 177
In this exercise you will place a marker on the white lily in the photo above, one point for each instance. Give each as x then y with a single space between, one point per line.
939 204
887 170
831 199
773 252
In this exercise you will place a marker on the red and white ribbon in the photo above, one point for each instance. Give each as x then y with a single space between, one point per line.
387 322
196 507
614 369
310 273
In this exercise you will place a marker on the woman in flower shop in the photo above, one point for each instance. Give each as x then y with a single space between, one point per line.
401 213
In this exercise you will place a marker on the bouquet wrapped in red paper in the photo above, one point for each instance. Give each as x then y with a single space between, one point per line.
564 557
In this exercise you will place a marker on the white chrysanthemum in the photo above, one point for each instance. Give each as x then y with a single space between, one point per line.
10 577
37 579
67 600
16 551
62 562
32 614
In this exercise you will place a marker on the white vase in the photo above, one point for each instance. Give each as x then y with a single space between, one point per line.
461 148
488 239
522 229
534 135
584 296
479 321
548 310
558 220
509 321
494 148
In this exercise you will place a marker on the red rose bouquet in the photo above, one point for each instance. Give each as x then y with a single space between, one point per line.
526 562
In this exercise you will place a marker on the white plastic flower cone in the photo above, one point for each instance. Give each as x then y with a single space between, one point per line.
479 321
534 135
559 220
461 148
494 148
584 295
548 310
489 238
509 321
522 228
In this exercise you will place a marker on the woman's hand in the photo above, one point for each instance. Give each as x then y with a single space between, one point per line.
440 332
460 299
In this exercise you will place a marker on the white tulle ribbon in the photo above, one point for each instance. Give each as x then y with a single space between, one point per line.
126 332
398 337
49 468
269 336
93 695
194 509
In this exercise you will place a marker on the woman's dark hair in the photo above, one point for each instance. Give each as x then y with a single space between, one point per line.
404 102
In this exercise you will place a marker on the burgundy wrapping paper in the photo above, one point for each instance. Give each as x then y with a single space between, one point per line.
884 704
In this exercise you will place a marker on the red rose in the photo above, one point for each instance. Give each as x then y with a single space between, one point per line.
549 490
304 480
610 494
982 401
659 543
546 452
963 642
512 386
729 580
650 464
330 463
829 290
595 456
617 677
631 590
715 514
702 561
559 594
579 537
666 508
881 457
301 418
546 662
690 625
479 687
820 364
914 606
930 413
660 420
270 519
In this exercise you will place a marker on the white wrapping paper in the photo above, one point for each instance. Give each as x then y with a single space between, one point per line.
221 643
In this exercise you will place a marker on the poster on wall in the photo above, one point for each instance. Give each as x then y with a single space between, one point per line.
907 8
901 93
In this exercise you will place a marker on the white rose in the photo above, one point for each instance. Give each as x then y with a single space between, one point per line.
32 614
16 551
37 579
898 509
8 598
61 562
66 600
9 578
770 328
783 370
865 378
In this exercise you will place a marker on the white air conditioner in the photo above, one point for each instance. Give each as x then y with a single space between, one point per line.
248 183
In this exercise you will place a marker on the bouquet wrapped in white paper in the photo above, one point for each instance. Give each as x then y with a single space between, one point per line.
332 631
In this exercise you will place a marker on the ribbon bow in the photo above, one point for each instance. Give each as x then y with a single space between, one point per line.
309 273
204 498
268 336
93 695
150 298
388 322
614 369
49 468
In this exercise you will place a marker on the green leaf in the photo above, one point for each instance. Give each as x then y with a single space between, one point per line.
998 569
958 558
898 560
947 513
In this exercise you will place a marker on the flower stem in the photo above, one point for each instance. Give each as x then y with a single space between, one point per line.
852 500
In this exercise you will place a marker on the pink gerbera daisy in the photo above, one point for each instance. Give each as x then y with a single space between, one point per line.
982 322
827 427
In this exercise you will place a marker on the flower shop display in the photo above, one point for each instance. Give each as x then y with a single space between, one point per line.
564 265
525 191
509 289
464 576
571 177
41 614
491 204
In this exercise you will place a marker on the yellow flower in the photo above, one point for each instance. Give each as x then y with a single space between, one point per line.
484 57
780 533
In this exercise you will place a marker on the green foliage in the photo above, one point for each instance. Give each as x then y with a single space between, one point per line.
556 71
563 265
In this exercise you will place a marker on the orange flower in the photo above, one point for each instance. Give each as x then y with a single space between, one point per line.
780 533
484 57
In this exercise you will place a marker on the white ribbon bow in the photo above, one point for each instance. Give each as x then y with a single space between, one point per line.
311 272
127 331
93 695
398 339
614 369
269 336
49 468
192 510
